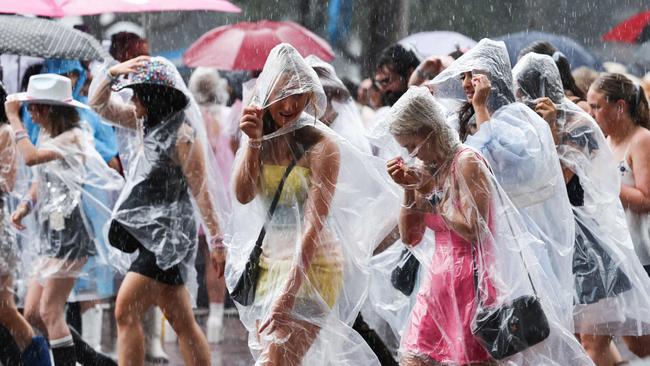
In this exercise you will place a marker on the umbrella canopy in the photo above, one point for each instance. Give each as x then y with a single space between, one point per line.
47 39
576 53
438 42
61 8
635 29
245 46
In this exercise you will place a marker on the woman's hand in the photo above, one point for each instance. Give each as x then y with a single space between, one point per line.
251 122
482 88
402 174
12 107
18 216
279 319
218 258
546 109
129 66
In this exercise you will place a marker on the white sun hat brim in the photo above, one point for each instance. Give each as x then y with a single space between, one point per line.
23 97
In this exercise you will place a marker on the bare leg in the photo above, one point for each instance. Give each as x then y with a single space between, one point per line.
174 301
640 346
600 349
33 304
10 318
52 306
137 294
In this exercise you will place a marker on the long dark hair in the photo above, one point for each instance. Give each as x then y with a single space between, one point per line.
160 101
465 114
62 118
568 82
619 87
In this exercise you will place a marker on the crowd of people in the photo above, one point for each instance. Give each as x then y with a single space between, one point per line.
453 210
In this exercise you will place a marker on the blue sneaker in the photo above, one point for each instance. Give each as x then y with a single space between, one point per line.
37 353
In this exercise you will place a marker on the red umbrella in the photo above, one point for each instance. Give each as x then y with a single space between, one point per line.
61 8
245 46
632 30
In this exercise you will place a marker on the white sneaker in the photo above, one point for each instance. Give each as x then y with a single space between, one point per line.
214 326
152 324
91 326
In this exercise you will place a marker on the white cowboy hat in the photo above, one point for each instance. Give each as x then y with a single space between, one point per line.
49 89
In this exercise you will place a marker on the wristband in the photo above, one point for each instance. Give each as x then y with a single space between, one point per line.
20 135
216 243
255 143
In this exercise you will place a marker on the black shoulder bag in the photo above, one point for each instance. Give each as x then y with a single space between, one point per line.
510 328
244 291
405 274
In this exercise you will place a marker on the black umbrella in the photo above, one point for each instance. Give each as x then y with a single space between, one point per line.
48 39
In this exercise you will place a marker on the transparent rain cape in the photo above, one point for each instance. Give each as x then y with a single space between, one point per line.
612 293
519 147
477 232
165 197
322 233
348 122
9 250
74 195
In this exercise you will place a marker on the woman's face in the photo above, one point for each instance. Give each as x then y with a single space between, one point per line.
605 113
140 110
419 145
287 110
39 113
466 80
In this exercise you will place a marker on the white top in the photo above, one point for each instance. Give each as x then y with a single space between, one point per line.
639 224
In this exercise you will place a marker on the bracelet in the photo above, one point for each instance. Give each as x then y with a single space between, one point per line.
216 242
255 143
20 135
29 202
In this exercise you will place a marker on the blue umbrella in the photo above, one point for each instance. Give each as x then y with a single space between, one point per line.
577 54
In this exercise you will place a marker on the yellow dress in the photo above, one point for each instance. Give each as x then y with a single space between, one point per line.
323 280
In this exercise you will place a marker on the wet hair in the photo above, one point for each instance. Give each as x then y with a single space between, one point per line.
62 118
546 48
127 45
351 86
465 114
3 113
399 59
615 87
160 101
31 71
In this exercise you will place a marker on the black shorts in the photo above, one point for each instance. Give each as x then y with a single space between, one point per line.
647 269
73 242
145 264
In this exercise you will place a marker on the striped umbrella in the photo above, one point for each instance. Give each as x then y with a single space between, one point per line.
47 39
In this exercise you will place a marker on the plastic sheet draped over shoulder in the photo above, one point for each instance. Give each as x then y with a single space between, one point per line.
611 288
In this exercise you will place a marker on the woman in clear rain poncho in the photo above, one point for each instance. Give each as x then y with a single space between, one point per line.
482 259
170 181
319 234
519 146
342 114
620 108
68 171
34 348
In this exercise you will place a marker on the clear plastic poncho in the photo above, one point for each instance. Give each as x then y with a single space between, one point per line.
519 147
172 184
9 251
612 293
481 257
319 240
347 122
73 194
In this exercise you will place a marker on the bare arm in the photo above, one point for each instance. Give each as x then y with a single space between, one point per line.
247 173
30 153
192 161
637 198
411 219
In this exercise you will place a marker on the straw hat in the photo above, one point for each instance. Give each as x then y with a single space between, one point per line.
50 89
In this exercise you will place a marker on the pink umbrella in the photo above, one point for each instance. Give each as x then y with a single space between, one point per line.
61 8
245 46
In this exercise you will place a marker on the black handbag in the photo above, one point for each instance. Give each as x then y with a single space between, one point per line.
244 291
120 238
510 328
405 274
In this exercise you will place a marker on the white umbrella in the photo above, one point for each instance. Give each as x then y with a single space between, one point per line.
438 42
